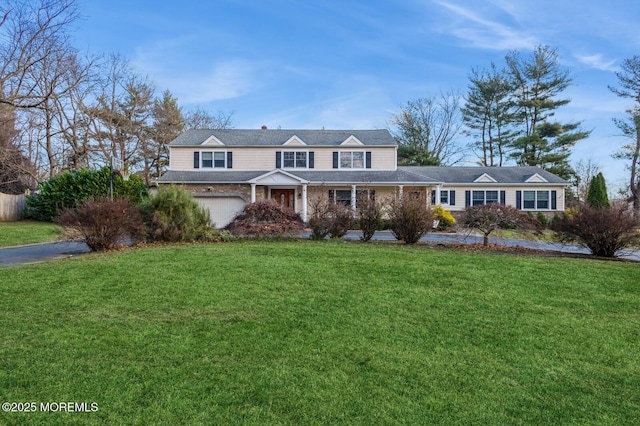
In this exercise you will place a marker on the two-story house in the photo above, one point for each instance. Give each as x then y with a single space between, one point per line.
226 169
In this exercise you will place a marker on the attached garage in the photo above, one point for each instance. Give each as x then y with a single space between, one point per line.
222 207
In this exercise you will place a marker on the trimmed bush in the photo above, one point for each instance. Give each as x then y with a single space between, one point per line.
266 218
74 188
487 218
604 231
410 218
103 224
172 214
444 217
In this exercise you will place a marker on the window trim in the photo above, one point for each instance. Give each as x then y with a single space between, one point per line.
213 159
536 200
351 152
295 159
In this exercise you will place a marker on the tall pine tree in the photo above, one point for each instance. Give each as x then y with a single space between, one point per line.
537 82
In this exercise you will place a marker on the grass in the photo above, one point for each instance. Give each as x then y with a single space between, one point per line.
259 332
28 232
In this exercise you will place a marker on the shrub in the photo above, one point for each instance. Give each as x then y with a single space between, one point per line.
103 224
542 219
410 218
340 217
369 217
604 231
444 217
597 192
487 218
266 218
172 214
73 188
328 218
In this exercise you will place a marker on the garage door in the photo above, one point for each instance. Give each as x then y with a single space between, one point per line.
222 209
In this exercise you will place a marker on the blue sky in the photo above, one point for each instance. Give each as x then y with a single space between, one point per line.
351 64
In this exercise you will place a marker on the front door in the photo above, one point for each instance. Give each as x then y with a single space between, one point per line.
285 197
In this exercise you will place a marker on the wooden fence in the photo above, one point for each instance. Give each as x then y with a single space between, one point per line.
12 207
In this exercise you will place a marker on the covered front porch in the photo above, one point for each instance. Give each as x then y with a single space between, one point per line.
295 191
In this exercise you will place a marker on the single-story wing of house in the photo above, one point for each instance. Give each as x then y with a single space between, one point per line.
228 168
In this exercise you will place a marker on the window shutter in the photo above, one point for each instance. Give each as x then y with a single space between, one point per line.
372 195
331 195
196 160
335 159
278 159
452 198
311 160
433 197
467 198
554 202
503 197
519 200
229 160
368 159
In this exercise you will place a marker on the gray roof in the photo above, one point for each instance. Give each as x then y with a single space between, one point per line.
463 175
343 177
180 176
249 137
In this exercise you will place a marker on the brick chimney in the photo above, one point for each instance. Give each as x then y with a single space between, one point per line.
264 127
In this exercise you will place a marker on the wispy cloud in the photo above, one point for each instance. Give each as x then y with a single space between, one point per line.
597 61
484 33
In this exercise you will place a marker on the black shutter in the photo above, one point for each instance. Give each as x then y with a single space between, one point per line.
372 195
229 160
278 159
196 160
503 197
311 160
519 200
368 159
335 159
467 198
452 198
331 195
554 202
433 197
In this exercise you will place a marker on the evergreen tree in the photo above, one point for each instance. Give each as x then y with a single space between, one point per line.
487 112
537 82
597 194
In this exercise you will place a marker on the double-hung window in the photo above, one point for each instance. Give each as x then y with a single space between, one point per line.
352 160
482 197
295 160
485 197
213 159
535 200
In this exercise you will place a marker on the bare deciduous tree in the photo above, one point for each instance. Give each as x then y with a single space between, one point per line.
426 129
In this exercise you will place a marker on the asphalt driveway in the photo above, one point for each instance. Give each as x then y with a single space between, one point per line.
33 253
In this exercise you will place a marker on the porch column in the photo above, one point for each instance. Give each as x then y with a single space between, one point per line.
304 202
400 187
437 200
253 192
353 198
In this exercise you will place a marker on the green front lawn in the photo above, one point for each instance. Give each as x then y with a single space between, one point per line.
28 232
322 333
